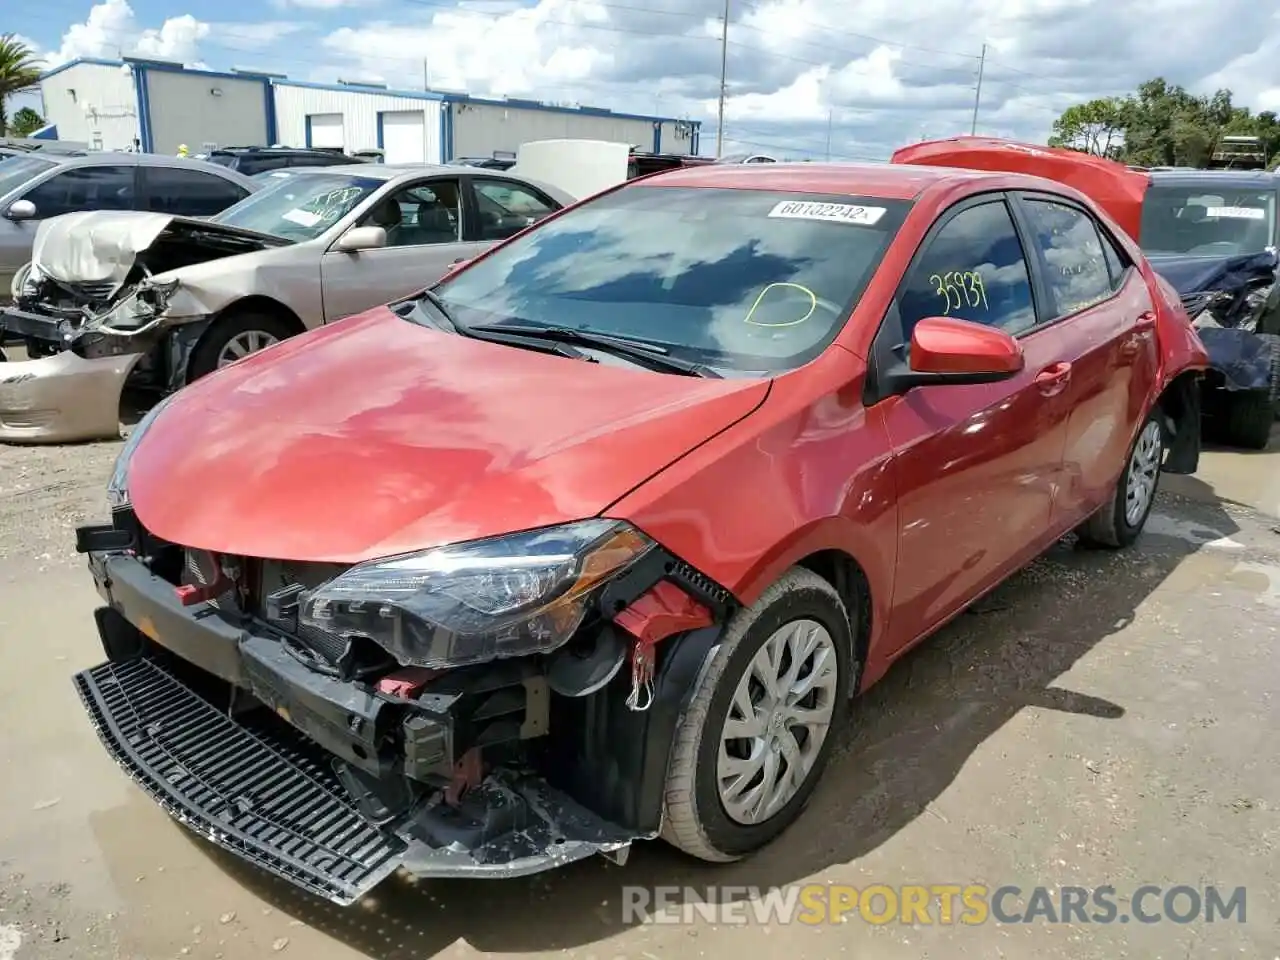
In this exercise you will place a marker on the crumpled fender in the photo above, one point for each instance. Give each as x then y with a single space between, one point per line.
1181 349
65 398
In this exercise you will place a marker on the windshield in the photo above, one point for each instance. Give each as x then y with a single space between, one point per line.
15 171
299 207
735 279
1207 221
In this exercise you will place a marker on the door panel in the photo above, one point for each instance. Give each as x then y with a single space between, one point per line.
977 469
976 466
423 222
1105 320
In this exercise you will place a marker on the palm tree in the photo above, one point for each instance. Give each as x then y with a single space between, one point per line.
19 71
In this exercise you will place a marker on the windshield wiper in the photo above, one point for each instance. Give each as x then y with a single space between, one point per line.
656 357
495 335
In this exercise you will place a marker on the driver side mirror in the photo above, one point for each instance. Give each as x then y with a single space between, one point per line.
947 350
21 210
361 238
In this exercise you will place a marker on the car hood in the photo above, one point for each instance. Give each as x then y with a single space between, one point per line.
101 246
1194 274
374 436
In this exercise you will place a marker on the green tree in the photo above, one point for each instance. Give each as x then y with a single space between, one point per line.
1095 127
19 71
1162 124
25 122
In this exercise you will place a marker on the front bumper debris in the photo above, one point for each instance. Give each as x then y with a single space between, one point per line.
301 788
64 398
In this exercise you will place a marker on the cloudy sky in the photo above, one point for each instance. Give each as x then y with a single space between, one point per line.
806 78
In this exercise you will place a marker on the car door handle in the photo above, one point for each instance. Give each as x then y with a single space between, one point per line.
1144 321
1053 379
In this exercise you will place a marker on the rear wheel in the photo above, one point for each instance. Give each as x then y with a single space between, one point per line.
1121 519
1249 415
1274 340
760 730
233 336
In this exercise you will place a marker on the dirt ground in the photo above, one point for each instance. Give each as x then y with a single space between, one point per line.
1103 719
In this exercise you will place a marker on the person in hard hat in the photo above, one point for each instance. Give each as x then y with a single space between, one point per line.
183 151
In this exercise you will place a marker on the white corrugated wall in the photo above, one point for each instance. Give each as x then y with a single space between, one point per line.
481 128
677 138
359 110
94 104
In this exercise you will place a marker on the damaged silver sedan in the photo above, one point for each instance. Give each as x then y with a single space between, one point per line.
156 301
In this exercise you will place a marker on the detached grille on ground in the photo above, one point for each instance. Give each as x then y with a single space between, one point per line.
259 792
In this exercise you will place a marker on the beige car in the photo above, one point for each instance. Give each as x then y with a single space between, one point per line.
159 300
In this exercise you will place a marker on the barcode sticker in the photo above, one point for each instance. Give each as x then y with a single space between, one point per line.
830 212
1238 213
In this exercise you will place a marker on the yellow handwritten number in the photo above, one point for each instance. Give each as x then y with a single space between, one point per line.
960 288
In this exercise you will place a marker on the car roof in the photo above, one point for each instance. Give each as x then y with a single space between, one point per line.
1256 179
108 158
888 181
279 149
378 171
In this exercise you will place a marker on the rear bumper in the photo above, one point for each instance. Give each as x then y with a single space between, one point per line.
307 799
64 398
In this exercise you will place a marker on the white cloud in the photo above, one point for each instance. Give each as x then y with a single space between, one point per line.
111 30
255 36
900 70
321 4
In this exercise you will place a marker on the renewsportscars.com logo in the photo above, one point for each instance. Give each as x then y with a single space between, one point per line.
942 904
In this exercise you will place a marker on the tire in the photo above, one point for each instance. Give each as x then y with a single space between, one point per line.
1274 340
697 819
243 326
1249 415
1113 526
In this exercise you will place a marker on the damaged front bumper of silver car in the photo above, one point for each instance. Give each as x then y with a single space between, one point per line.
84 329
69 388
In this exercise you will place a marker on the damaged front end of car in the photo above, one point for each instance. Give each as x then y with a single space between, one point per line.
1234 306
491 708
93 311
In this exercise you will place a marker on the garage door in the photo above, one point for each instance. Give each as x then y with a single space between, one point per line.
326 130
403 137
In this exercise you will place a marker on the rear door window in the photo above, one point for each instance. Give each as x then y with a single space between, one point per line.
506 208
188 193
84 188
1076 271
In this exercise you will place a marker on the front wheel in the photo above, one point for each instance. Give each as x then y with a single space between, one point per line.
759 732
232 337
1119 522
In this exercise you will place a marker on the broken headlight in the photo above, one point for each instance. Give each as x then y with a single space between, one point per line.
118 484
26 282
507 596
135 312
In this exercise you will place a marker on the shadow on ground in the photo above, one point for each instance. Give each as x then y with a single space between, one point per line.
908 739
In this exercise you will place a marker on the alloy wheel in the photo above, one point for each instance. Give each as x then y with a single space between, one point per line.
1144 470
243 344
778 720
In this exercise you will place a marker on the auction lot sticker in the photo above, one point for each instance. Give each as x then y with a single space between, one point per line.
1238 213
831 212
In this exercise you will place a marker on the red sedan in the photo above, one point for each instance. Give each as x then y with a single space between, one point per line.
595 540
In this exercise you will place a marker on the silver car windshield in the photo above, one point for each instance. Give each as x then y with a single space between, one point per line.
299 207
16 171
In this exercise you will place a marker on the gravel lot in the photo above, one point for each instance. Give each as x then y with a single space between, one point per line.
1102 719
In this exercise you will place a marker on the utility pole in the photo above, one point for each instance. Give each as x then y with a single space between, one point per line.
724 67
426 75
830 114
977 94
